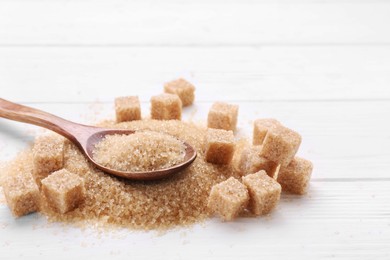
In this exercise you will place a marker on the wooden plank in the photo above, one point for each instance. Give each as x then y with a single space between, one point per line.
204 23
346 220
345 140
228 73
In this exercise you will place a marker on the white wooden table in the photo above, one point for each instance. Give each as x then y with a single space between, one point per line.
320 67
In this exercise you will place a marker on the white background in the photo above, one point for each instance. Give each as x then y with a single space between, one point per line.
321 67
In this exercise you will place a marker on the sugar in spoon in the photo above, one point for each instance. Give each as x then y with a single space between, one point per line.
86 137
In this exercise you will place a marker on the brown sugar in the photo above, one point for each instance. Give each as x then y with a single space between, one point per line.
223 116
228 198
21 193
295 177
280 145
181 87
127 108
141 151
251 162
166 107
261 127
264 192
63 190
219 146
48 155
178 200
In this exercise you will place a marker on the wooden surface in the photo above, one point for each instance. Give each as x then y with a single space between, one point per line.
320 67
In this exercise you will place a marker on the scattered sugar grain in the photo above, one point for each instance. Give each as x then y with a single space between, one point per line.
94 112
2 198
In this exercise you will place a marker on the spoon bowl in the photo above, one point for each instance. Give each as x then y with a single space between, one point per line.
86 137
189 157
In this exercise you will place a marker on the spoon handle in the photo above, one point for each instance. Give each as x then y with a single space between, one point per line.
37 117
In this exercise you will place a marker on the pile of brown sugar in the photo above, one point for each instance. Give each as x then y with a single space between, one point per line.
180 200
141 151
228 178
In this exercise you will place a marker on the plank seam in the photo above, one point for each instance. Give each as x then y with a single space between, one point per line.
198 45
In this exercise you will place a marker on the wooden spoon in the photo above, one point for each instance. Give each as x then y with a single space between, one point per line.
86 137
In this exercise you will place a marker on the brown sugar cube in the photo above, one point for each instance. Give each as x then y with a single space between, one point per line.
183 89
127 108
228 198
264 192
261 127
251 162
222 116
48 156
21 193
63 190
280 145
166 107
219 146
295 177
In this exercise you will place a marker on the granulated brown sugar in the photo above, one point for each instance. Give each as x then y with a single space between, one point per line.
179 200
141 151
